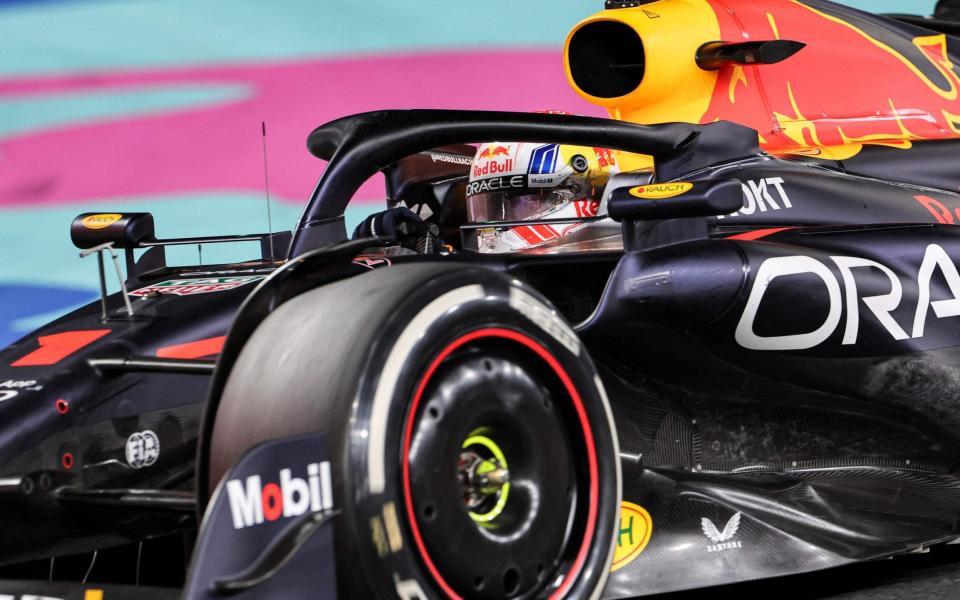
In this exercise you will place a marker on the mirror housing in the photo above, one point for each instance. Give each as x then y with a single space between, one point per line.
676 200
125 230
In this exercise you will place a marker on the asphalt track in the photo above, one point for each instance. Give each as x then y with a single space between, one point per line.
931 576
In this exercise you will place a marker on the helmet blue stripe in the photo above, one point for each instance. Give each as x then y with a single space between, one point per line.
543 161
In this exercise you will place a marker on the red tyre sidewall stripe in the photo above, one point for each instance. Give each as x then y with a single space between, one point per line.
584 423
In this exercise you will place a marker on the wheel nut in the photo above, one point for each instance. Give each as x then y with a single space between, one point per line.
496 477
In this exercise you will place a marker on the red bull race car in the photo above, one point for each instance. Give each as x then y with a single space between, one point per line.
741 363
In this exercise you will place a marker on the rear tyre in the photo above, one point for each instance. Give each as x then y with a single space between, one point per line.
469 434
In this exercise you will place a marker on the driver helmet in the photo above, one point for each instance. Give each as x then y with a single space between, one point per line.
519 181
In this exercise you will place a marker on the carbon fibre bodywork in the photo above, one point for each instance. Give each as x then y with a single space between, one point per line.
831 448
784 378
824 421
72 485
793 363
783 372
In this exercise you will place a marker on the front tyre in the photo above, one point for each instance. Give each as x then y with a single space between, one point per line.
470 437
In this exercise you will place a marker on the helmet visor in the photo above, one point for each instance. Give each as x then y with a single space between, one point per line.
516 205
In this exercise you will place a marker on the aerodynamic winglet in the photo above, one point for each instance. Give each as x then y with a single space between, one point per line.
716 55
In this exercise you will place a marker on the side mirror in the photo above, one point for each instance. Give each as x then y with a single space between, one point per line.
125 230
665 214
676 200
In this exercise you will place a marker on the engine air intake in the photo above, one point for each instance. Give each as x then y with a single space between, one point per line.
606 59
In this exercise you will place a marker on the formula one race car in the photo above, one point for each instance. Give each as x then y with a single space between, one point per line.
745 367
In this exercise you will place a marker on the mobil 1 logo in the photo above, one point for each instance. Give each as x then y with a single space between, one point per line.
278 489
254 501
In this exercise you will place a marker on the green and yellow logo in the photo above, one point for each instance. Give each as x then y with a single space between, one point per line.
633 536
658 191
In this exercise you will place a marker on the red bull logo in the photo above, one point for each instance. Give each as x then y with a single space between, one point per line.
494 164
492 168
491 152
855 83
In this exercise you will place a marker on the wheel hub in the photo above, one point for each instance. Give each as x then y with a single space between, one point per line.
484 477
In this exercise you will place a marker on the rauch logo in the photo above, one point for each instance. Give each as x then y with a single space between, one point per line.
251 502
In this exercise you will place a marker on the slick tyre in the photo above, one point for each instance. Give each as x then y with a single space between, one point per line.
471 440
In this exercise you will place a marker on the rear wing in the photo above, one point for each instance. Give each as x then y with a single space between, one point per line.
360 145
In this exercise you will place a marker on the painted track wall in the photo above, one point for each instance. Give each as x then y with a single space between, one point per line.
156 105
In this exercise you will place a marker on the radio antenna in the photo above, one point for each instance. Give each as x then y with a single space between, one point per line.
266 188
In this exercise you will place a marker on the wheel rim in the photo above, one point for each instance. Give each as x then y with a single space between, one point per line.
500 482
